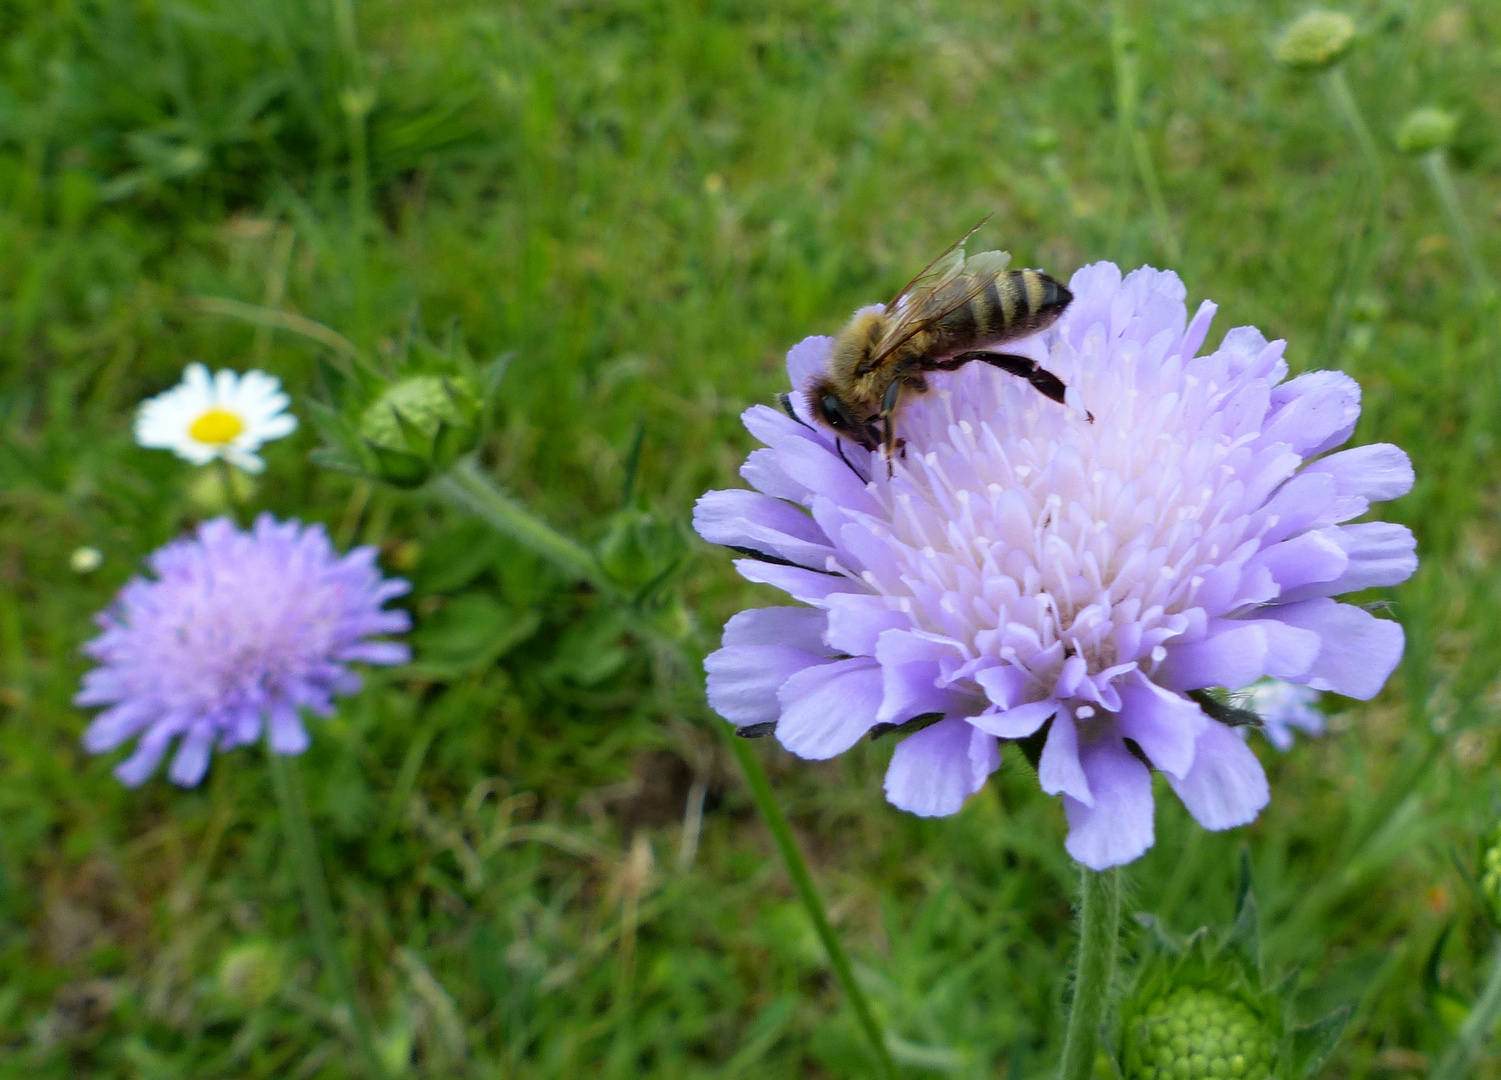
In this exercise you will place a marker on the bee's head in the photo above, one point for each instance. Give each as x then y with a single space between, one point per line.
831 410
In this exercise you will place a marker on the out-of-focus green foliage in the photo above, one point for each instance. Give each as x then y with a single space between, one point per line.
544 862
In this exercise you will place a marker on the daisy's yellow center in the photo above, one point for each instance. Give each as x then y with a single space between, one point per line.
216 426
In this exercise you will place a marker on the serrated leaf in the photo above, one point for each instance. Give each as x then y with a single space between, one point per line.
1171 943
471 633
1435 956
1245 932
491 374
333 459
1313 1043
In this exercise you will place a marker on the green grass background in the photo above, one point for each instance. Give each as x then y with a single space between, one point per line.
647 202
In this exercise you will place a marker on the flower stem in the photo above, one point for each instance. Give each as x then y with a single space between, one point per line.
1099 929
802 881
1363 245
286 778
1458 1062
1340 96
1131 143
1436 165
227 485
468 488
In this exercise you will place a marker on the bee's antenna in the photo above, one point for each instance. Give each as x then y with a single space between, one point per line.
786 402
839 447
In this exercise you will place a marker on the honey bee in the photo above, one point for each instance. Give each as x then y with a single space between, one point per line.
956 310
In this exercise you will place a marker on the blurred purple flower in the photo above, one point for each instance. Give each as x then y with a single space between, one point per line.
1283 708
1026 574
236 629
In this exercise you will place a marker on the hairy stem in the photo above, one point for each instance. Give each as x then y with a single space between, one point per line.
1457 1063
286 778
227 485
1436 166
1099 929
802 881
1359 254
471 490
1131 144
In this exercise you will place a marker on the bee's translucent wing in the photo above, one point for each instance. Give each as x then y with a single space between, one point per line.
939 267
989 263
948 291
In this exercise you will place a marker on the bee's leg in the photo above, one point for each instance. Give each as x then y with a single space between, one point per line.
888 424
1043 381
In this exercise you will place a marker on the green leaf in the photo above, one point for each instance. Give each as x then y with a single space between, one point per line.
469 634
1245 932
1313 1043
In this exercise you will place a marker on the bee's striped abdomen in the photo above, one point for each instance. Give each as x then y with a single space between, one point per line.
1012 305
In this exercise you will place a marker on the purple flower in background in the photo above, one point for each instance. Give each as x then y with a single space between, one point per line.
237 629
1283 708
1027 575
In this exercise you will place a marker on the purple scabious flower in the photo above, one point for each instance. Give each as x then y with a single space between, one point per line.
236 630
1283 708
1028 575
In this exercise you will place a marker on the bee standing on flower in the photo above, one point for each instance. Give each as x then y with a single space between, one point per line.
939 321
1083 590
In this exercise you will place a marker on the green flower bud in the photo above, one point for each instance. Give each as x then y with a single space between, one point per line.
1490 872
639 548
85 560
1315 40
1426 129
419 425
250 974
1196 1034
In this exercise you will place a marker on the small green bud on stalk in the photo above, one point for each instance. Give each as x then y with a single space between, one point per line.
1316 40
419 425
85 560
1426 129
639 548
407 421
1490 873
250 974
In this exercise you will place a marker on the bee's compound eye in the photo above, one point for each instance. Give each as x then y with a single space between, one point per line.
832 413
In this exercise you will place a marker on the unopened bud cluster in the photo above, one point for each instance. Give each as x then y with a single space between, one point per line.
406 426
1197 1034
1316 40
1490 873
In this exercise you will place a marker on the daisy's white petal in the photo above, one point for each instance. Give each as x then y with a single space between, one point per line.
261 406
257 386
196 452
276 427
244 461
154 428
196 379
225 384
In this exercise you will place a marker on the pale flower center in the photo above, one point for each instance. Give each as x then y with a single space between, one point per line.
217 426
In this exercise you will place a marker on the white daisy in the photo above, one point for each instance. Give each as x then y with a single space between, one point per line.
226 415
